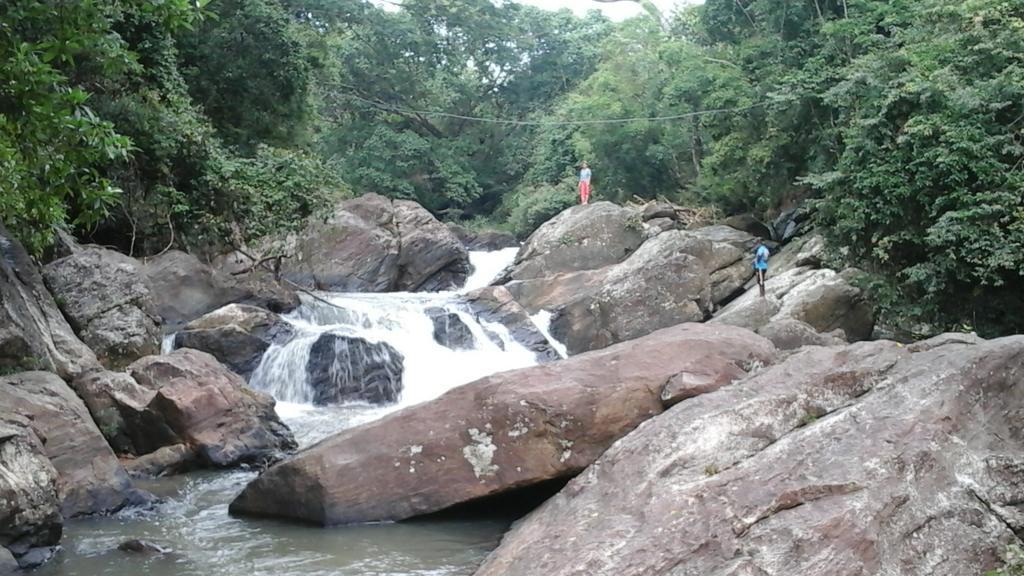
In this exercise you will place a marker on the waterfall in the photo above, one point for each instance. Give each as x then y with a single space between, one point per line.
402 325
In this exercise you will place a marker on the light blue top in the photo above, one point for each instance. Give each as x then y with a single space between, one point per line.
761 258
585 175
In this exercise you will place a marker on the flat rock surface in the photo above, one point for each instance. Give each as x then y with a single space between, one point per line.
507 431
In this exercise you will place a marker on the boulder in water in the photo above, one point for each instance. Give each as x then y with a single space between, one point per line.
33 333
580 238
861 459
30 516
103 294
194 400
237 335
166 461
351 369
507 431
496 305
138 546
450 330
90 480
430 257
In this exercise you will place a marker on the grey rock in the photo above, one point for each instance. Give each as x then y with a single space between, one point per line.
864 459
90 478
484 240
30 516
790 334
33 333
580 238
740 240
166 461
749 224
184 288
431 257
656 210
352 369
237 335
104 296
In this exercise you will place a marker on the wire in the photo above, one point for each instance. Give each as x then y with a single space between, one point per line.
399 110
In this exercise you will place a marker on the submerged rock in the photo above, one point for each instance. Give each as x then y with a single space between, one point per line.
507 431
352 369
90 479
237 335
495 304
192 399
863 459
450 330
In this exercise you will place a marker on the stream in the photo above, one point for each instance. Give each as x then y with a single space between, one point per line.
192 521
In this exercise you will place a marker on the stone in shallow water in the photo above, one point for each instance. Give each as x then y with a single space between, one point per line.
450 331
351 369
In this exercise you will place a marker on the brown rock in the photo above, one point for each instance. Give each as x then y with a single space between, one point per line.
184 288
790 334
209 408
163 462
90 479
839 461
495 304
431 257
503 432
237 335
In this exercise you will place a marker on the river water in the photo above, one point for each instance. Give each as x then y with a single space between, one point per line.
192 520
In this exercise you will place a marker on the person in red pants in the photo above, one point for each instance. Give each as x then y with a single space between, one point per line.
585 184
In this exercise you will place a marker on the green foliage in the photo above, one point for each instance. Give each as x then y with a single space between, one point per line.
530 206
1014 563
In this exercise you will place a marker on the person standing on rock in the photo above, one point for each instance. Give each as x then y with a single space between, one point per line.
585 184
761 255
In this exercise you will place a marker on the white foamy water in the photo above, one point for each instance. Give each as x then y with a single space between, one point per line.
487 266
543 321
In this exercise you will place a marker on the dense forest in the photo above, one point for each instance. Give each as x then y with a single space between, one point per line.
206 123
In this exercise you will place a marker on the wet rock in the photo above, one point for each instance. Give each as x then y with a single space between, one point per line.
237 335
554 292
507 431
790 334
104 296
864 459
823 299
8 564
36 557
430 258
495 304
580 238
352 369
90 479
194 400
166 461
371 244
33 333
137 546
740 240
30 516
450 331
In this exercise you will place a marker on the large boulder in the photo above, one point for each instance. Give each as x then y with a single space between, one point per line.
237 335
495 304
351 369
90 478
484 240
104 296
192 399
373 244
507 431
865 459
823 299
115 401
34 335
30 518
431 257
184 288
672 278
580 238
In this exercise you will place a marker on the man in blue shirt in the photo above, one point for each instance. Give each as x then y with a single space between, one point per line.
761 255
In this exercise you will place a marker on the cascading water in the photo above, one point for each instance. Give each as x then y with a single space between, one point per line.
193 521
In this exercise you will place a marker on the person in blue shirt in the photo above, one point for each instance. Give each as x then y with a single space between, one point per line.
585 184
761 255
